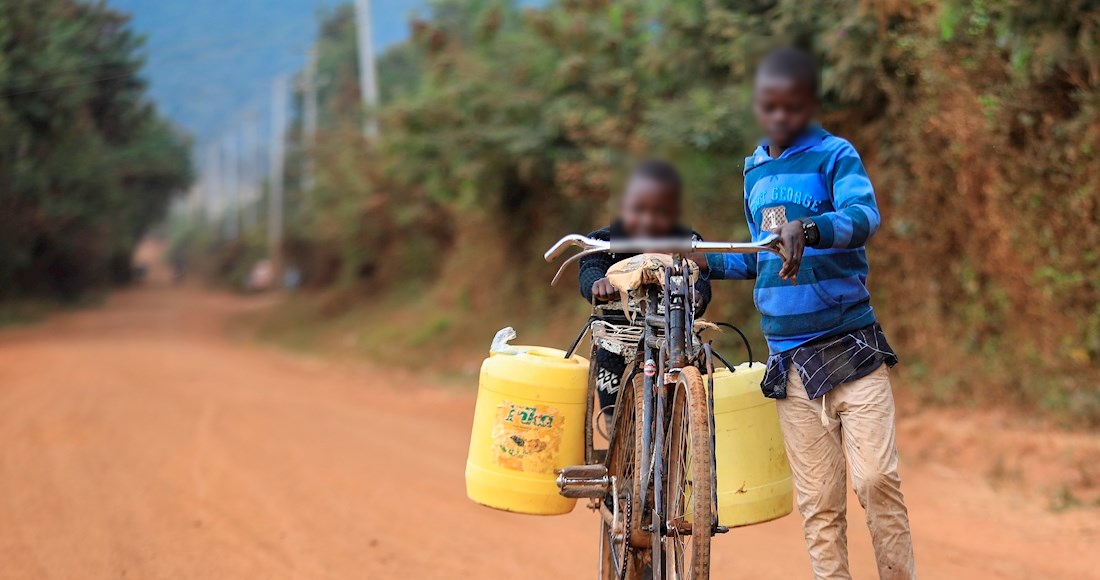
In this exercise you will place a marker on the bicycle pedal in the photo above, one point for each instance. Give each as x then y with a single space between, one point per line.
594 471
584 481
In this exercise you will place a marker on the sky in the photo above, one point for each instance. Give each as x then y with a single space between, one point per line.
211 61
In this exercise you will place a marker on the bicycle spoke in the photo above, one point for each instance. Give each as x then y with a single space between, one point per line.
620 556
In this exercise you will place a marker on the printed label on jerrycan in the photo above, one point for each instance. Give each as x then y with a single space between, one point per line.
527 437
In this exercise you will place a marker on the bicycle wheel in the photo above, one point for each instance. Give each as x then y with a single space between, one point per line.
690 482
623 552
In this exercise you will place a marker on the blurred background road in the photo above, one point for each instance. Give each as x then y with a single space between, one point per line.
355 195
144 439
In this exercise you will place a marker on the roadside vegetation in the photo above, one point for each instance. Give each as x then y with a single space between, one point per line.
86 164
503 128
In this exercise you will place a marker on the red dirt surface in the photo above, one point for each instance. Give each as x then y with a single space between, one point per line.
140 441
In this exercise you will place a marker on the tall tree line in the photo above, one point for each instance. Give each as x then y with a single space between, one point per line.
978 122
86 163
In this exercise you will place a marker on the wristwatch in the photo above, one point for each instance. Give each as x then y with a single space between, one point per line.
810 232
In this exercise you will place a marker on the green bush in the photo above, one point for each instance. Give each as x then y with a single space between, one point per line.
86 165
978 122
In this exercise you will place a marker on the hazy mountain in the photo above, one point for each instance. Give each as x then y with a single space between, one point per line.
209 60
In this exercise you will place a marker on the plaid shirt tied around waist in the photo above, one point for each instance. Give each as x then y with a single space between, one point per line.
827 363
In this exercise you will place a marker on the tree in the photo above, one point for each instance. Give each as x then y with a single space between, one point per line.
86 165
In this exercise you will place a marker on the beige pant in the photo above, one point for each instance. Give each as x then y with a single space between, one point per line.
854 421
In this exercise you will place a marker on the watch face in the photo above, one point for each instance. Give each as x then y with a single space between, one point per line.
809 231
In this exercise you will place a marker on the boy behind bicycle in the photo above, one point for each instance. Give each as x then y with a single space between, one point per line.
648 208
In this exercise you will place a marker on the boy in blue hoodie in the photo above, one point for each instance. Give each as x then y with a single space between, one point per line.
829 358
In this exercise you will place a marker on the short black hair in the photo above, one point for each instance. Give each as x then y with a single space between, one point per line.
660 171
794 64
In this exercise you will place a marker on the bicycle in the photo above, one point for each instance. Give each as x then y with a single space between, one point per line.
648 485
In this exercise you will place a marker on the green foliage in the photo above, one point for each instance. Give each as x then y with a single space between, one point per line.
85 164
978 122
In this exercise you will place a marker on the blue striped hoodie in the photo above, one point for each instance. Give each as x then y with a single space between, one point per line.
820 178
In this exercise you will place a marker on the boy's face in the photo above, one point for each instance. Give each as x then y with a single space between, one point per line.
649 208
784 108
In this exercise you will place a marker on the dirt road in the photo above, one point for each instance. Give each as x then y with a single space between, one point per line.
139 441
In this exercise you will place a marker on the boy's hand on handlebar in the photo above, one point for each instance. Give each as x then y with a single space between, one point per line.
794 243
602 290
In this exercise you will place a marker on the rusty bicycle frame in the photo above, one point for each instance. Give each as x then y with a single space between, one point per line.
667 345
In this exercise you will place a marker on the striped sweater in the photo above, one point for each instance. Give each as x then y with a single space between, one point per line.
820 178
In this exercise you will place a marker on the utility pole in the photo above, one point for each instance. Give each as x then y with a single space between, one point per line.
250 170
368 75
309 118
213 183
277 150
232 169
189 208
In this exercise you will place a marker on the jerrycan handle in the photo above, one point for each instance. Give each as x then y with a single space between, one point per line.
744 339
577 341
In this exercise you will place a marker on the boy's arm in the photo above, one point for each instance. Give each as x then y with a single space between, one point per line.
735 266
856 217
592 269
702 285
732 266
702 293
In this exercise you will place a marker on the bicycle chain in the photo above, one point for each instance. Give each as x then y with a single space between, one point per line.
626 537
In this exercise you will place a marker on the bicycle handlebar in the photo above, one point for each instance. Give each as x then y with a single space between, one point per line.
591 246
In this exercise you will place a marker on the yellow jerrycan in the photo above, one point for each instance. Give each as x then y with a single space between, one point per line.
528 422
754 478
